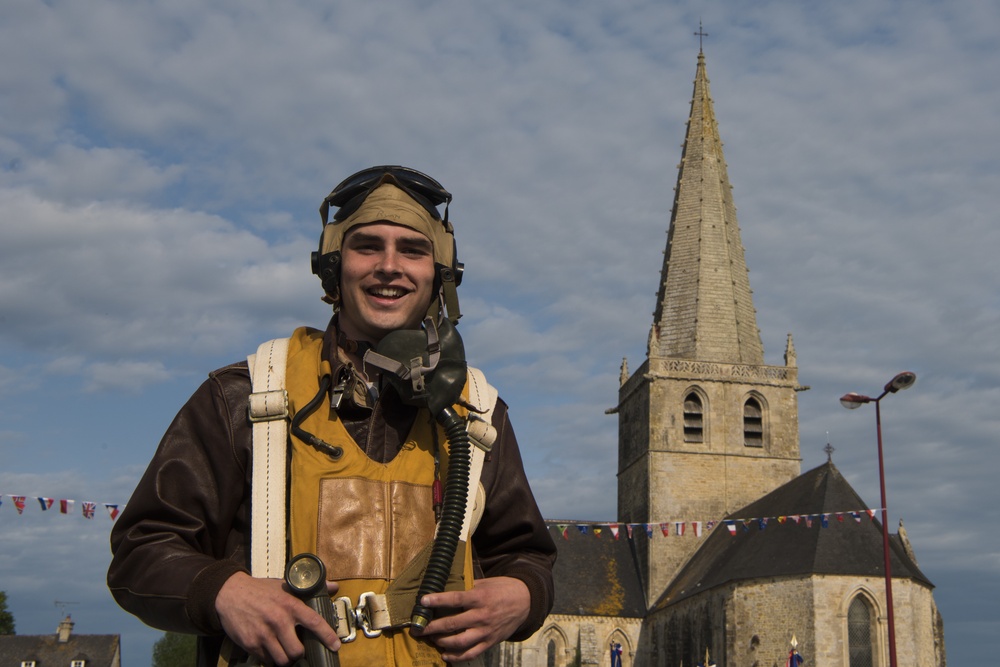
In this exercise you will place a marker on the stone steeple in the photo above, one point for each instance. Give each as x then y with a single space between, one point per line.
705 426
704 309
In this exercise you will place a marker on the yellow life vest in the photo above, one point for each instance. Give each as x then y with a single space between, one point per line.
371 523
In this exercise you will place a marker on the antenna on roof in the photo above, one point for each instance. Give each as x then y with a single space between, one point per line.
62 604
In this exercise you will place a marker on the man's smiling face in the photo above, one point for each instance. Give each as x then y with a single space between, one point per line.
386 280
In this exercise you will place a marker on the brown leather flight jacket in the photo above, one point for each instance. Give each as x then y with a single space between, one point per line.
185 530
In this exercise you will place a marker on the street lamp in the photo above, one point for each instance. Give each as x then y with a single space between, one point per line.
851 401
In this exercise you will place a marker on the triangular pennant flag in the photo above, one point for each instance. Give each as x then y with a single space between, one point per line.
857 517
614 530
809 520
665 529
679 528
66 506
782 519
564 530
709 526
840 517
762 523
746 525
731 525
649 530
112 510
88 509
825 520
597 531
582 529
19 503
796 518
45 503
871 514
696 526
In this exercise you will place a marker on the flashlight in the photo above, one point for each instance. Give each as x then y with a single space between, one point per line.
306 576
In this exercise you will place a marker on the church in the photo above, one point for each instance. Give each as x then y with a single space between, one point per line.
724 552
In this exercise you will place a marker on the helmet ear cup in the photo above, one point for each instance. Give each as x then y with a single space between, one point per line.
327 267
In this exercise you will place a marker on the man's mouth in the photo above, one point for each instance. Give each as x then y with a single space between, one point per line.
387 291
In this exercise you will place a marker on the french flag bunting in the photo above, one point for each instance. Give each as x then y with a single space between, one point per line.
679 528
731 525
45 503
112 510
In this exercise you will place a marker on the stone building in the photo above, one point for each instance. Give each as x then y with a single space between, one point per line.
708 442
61 649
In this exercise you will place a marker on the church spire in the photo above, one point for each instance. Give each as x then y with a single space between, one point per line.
704 308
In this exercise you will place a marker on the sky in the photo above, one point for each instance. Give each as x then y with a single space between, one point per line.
161 164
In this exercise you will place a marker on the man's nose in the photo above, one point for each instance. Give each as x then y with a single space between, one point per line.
388 262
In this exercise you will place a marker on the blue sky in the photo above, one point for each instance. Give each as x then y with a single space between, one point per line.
161 164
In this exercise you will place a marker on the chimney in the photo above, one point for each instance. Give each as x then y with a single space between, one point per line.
64 629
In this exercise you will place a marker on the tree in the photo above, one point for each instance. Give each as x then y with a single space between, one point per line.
175 650
6 618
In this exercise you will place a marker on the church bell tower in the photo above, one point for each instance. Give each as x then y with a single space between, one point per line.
705 426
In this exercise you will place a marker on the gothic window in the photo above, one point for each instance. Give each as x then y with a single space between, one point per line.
753 423
550 654
859 633
694 418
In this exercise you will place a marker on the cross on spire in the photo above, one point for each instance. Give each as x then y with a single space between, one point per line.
700 34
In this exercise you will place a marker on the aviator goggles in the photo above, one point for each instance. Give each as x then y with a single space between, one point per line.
353 190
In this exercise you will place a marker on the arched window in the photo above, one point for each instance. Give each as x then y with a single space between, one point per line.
550 654
753 423
694 418
859 633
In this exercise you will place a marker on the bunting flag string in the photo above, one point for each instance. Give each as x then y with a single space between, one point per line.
88 508
702 528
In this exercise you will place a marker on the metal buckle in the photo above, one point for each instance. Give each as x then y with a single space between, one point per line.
363 615
348 617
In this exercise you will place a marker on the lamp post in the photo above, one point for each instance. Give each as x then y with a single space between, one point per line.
851 401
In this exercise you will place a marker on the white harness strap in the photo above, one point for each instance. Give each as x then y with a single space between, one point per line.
483 397
269 414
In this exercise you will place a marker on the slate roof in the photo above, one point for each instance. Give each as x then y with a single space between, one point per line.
790 549
595 576
47 651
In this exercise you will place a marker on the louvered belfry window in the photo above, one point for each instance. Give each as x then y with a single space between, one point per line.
859 633
694 419
753 423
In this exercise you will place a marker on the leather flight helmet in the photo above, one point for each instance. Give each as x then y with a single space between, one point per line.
400 195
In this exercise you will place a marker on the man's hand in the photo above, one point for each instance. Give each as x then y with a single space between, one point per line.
489 614
261 616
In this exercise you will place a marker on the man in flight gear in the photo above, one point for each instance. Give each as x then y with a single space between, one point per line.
376 475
